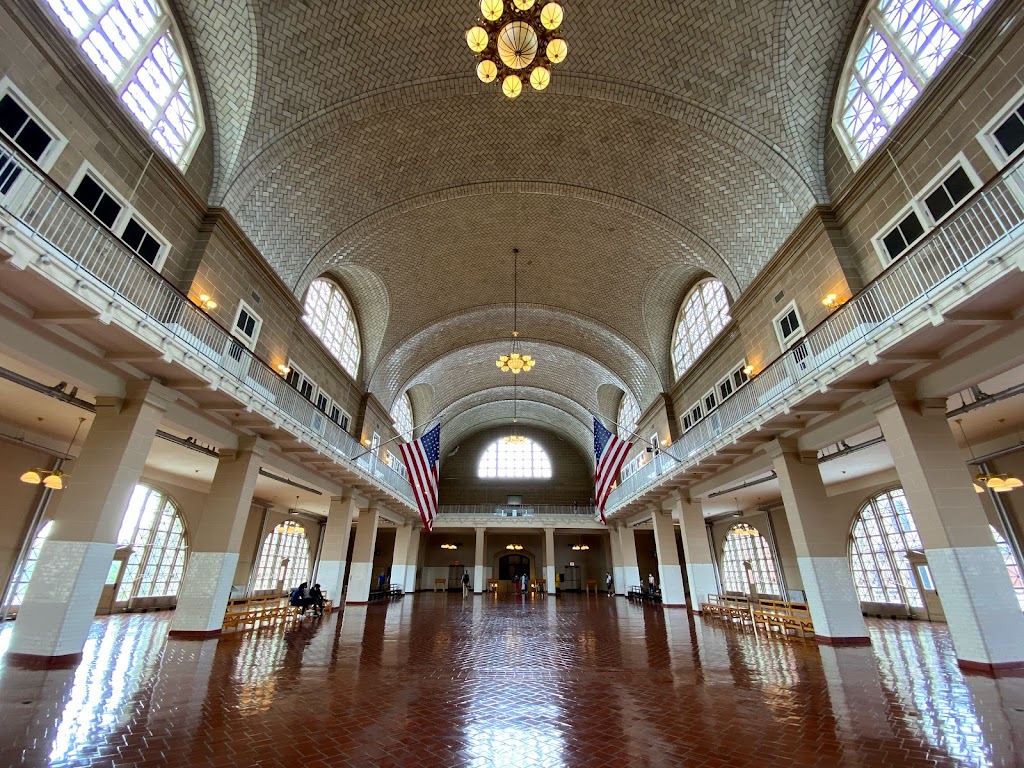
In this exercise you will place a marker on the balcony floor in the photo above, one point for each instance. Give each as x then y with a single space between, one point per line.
436 680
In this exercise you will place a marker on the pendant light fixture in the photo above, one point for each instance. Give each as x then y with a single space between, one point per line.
51 478
515 361
996 483
514 438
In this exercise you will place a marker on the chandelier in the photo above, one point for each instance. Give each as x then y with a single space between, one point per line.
995 483
514 361
52 479
516 43
516 547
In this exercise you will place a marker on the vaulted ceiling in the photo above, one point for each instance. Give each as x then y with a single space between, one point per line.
679 139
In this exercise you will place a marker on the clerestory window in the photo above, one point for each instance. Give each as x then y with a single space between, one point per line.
526 459
401 415
629 415
900 46
136 47
329 315
703 315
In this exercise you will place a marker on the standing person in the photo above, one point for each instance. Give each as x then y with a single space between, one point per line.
526 583
609 582
382 580
317 597
517 582
651 583
465 583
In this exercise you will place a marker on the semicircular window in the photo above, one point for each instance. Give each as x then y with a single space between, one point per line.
329 315
526 459
401 415
899 47
702 316
629 415
136 48
746 558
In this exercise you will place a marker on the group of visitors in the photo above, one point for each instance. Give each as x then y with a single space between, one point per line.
522 583
304 597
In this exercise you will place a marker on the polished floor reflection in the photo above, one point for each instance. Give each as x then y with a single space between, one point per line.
436 680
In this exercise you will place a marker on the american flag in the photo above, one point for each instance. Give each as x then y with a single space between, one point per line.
421 458
610 453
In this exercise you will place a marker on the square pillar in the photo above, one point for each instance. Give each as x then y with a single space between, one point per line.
63 593
549 558
630 567
412 559
334 552
478 566
400 558
618 584
214 546
361 570
821 549
700 564
970 576
670 572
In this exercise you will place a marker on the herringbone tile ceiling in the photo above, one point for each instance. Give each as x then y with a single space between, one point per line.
680 138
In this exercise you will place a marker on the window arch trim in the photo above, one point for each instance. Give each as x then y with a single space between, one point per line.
344 342
693 336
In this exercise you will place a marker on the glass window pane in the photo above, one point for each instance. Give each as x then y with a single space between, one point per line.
329 315
705 312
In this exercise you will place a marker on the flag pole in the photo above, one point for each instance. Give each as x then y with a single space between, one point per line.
634 434
396 437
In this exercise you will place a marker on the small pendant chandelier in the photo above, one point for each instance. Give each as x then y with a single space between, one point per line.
51 478
515 361
995 483
516 43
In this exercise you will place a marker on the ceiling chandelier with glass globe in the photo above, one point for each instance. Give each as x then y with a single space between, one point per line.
517 43
515 361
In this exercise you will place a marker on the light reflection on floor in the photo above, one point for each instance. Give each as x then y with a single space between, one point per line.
442 680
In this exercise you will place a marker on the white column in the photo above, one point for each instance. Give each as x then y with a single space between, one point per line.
670 572
213 549
478 566
412 560
58 609
549 558
630 568
821 549
334 554
700 569
400 558
970 576
361 571
616 548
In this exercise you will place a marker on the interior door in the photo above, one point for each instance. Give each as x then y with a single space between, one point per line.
926 586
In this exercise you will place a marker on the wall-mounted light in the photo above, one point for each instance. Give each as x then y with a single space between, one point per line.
748 371
366 442
207 303
664 441
283 369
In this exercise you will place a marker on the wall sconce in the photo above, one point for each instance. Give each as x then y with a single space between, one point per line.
366 442
283 369
832 302
207 303
748 371
664 441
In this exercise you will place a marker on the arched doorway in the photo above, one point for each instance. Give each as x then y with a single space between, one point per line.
510 566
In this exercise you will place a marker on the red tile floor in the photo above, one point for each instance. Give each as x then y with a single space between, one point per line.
436 680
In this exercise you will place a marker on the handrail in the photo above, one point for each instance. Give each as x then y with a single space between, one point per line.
511 510
46 212
993 214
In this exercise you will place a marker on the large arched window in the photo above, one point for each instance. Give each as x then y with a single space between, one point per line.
525 459
899 47
703 315
401 415
1012 566
629 415
330 317
883 533
745 544
136 48
153 528
284 558
27 567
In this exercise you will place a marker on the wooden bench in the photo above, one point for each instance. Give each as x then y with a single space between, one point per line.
255 612
442 583
591 585
387 592
640 594
731 608
783 616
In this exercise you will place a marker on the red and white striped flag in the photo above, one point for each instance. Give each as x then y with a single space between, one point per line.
421 459
610 453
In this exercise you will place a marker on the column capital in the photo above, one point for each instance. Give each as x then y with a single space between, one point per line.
678 498
152 393
889 393
787 446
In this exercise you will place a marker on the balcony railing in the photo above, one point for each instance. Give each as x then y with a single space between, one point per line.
516 510
993 216
42 210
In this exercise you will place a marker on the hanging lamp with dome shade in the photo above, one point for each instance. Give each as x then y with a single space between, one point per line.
517 42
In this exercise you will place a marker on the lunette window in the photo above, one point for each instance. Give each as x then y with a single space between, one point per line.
704 313
133 44
526 459
401 415
745 544
899 48
284 559
628 416
329 315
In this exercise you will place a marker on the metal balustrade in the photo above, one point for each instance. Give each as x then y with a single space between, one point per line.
994 215
45 212
512 510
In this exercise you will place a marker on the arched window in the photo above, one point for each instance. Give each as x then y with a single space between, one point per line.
883 533
629 415
702 317
152 527
135 46
401 415
525 459
284 558
27 567
899 47
743 544
330 317
1012 566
